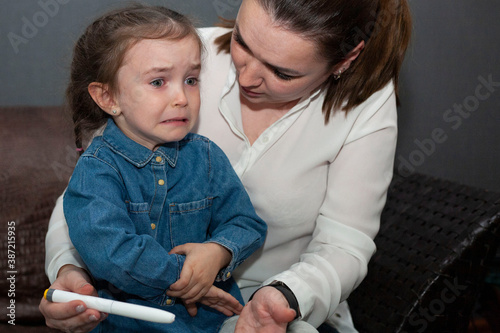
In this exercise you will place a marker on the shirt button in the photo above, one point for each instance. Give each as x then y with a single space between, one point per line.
153 226
228 275
158 159
169 301
265 139
161 182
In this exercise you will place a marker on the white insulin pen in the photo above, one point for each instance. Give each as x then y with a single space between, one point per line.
112 307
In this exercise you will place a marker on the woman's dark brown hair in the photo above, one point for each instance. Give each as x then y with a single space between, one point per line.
99 54
337 27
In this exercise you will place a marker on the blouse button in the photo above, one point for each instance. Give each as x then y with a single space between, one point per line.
161 182
228 275
169 301
158 159
153 226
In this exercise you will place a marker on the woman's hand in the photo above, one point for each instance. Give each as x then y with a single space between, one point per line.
203 263
267 312
72 316
219 300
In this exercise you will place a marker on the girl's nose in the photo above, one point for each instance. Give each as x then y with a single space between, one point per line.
180 98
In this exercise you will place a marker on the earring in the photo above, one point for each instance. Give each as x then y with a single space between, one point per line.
114 111
337 75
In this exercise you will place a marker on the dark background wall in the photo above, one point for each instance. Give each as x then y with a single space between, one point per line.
450 83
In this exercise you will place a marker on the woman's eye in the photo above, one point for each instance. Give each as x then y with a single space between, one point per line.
238 40
282 76
192 81
157 83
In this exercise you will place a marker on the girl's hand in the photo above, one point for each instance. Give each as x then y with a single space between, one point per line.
267 312
72 316
203 263
219 300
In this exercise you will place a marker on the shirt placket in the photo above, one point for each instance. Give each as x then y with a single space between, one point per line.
160 190
229 105
160 194
251 153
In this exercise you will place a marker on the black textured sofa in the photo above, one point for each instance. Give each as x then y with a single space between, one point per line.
436 242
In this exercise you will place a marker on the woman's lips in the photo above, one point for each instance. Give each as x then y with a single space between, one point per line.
249 92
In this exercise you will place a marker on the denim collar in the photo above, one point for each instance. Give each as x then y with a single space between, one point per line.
135 153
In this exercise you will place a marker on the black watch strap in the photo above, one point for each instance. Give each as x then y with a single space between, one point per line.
287 292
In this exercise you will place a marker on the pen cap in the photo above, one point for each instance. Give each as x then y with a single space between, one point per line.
48 294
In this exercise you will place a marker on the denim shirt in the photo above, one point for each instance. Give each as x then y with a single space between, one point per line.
127 206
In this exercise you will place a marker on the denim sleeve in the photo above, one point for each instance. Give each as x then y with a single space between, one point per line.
106 238
235 224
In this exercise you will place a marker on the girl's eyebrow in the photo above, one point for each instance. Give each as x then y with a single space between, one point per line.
196 66
166 69
158 70
239 40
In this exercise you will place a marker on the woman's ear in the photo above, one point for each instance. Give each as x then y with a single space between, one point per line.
103 97
342 66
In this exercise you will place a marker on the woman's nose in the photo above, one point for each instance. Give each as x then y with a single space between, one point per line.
250 75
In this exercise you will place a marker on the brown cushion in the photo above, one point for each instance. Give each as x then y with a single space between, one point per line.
37 157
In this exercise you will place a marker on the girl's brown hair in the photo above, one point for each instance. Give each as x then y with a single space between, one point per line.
337 27
99 54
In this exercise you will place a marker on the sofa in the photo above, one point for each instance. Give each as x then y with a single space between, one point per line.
436 243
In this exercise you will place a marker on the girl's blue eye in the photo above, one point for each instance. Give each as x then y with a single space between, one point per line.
157 83
192 81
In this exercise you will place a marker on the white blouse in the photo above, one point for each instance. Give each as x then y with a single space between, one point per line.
320 188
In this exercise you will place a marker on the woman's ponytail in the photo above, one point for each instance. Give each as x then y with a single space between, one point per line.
387 38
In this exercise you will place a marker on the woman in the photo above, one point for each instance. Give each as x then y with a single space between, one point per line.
304 105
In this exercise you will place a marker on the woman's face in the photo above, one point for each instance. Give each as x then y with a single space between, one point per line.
273 65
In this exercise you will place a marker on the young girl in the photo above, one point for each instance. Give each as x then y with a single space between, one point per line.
147 186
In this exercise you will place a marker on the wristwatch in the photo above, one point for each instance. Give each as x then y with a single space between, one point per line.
287 292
